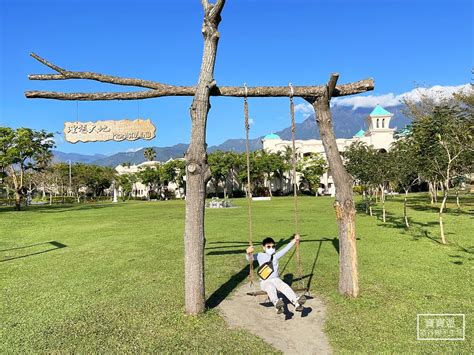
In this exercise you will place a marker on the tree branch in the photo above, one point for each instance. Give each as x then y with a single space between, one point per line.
217 7
161 89
234 91
48 64
332 84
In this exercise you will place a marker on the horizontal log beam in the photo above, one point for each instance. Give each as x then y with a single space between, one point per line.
234 91
160 89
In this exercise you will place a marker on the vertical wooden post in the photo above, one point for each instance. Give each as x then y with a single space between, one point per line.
343 204
197 168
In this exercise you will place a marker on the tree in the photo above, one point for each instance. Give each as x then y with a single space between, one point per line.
443 134
20 150
405 167
179 167
151 177
126 182
257 174
359 160
223 166
219 169
381 174
197 168
149 154
311 169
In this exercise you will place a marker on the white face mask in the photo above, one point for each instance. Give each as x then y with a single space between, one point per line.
270 251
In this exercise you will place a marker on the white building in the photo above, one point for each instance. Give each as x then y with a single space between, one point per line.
379 134
139 189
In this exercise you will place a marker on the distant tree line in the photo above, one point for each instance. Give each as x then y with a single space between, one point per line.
436 149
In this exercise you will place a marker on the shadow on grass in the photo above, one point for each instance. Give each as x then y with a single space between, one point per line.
226 288
67 207
75 207
55 244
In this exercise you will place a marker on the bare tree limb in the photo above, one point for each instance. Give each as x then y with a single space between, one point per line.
161 89
110 79
308 92
48 64
217 8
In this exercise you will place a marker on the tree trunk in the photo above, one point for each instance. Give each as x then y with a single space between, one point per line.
18 196
364 198
435 192
50 198
405 209
382 199
441 208
343 204
197 168
270 186
457 200
371 212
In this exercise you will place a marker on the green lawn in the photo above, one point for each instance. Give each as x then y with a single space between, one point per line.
108 277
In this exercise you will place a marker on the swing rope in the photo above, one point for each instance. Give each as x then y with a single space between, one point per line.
249 193
299 270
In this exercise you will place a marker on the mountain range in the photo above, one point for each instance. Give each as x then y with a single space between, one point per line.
347 121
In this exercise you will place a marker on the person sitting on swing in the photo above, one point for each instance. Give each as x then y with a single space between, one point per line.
270 281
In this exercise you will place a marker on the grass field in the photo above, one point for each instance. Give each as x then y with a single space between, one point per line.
108 277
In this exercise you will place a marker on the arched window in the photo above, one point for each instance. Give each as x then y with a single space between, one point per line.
383 123
377 123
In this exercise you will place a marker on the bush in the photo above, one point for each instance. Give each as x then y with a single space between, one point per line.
358 189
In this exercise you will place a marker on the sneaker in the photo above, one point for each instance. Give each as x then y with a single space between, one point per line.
300 301
298 307
279 305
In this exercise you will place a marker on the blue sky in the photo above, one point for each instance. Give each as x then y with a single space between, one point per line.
263 42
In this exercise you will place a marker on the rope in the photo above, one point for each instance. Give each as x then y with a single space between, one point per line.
249 193
299 270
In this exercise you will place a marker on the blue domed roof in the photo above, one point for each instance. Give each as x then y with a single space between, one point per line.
359 134
272 136
379 111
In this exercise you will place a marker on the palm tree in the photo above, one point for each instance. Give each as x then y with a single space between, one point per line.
149 154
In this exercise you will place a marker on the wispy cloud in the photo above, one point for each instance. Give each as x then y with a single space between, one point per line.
435 92
305 108
58 138
133 150
251 121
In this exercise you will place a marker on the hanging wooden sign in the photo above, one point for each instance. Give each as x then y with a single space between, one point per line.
110 130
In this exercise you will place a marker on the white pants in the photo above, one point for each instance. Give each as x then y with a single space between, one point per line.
271 286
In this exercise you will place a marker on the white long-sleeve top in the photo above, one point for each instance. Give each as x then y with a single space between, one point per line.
262 258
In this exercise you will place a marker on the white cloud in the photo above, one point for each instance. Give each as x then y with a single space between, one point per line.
304 108
435 92
251 121
133 150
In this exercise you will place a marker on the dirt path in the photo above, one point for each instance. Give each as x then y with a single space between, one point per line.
291 332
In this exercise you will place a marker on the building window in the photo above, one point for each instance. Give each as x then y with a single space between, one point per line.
383 123
377 126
